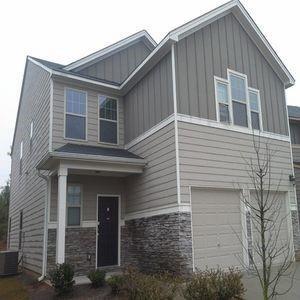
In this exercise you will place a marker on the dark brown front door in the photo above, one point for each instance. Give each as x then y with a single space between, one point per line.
108 230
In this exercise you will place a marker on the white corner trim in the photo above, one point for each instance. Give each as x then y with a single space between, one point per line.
176 125
243 209
150 131
51 116
167 209
111 48
216 124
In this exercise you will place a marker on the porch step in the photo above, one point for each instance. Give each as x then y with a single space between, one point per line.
113 270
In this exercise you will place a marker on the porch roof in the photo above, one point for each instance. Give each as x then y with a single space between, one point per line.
98 158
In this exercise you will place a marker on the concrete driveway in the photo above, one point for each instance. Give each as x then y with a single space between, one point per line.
254 291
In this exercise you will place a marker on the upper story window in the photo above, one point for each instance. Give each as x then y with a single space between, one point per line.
75 115
108 120
73 205
255 109
237 104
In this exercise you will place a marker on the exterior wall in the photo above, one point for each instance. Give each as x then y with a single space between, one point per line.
213 157
91 187
150 100
28 190
80 243
208 53
158 243
58 139
156 186
295 132
118 66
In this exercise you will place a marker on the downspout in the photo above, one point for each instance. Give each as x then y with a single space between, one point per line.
45 238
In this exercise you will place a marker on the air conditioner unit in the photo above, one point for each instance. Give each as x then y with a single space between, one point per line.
8 262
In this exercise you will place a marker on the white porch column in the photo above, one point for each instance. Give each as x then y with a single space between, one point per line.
61 215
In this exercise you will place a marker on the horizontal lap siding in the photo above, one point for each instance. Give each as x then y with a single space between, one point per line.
211 157
28 190
91 187
92 115
208 53
296 154
156 187
150 100
118 66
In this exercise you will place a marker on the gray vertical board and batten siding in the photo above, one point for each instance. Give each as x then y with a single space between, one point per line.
28 190
118 66
156 186
150 100
58 139
209 52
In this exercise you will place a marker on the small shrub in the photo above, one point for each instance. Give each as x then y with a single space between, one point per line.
61 278
215 285
140 286
97 278
116 283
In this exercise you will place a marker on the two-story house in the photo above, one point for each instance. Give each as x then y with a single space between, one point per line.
134 154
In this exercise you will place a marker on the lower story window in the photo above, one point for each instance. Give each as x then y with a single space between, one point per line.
74 205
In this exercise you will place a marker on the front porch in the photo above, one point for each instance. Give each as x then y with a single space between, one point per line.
86 202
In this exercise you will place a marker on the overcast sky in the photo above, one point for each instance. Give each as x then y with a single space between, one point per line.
63 31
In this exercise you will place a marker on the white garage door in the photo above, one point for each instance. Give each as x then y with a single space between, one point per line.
216 220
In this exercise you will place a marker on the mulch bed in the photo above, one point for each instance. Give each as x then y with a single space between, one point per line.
42 291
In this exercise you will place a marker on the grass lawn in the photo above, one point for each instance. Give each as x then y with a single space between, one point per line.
12 289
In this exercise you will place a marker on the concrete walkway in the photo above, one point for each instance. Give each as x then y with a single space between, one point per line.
254 291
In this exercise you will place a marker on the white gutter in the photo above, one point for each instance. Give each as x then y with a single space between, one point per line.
45 237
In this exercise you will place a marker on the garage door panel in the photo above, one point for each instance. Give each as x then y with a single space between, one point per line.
216 220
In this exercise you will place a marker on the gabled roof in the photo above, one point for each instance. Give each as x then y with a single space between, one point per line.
124 43
237 9
233 6
294 112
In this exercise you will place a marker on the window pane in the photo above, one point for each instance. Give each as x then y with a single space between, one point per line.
108 108
75 127
222 92
238 88
73 216
224 113
74 195
76 102
239 114
253 101
108 132
255 120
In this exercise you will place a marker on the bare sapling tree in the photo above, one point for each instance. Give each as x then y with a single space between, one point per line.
269 242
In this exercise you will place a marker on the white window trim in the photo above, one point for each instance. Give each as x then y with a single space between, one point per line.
73 114
21 150
226 82
31 130
253 90
244 76
81 198
114 121
247 103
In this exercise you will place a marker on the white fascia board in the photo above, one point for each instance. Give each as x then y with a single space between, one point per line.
153 53
235 7
98 158
111 48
